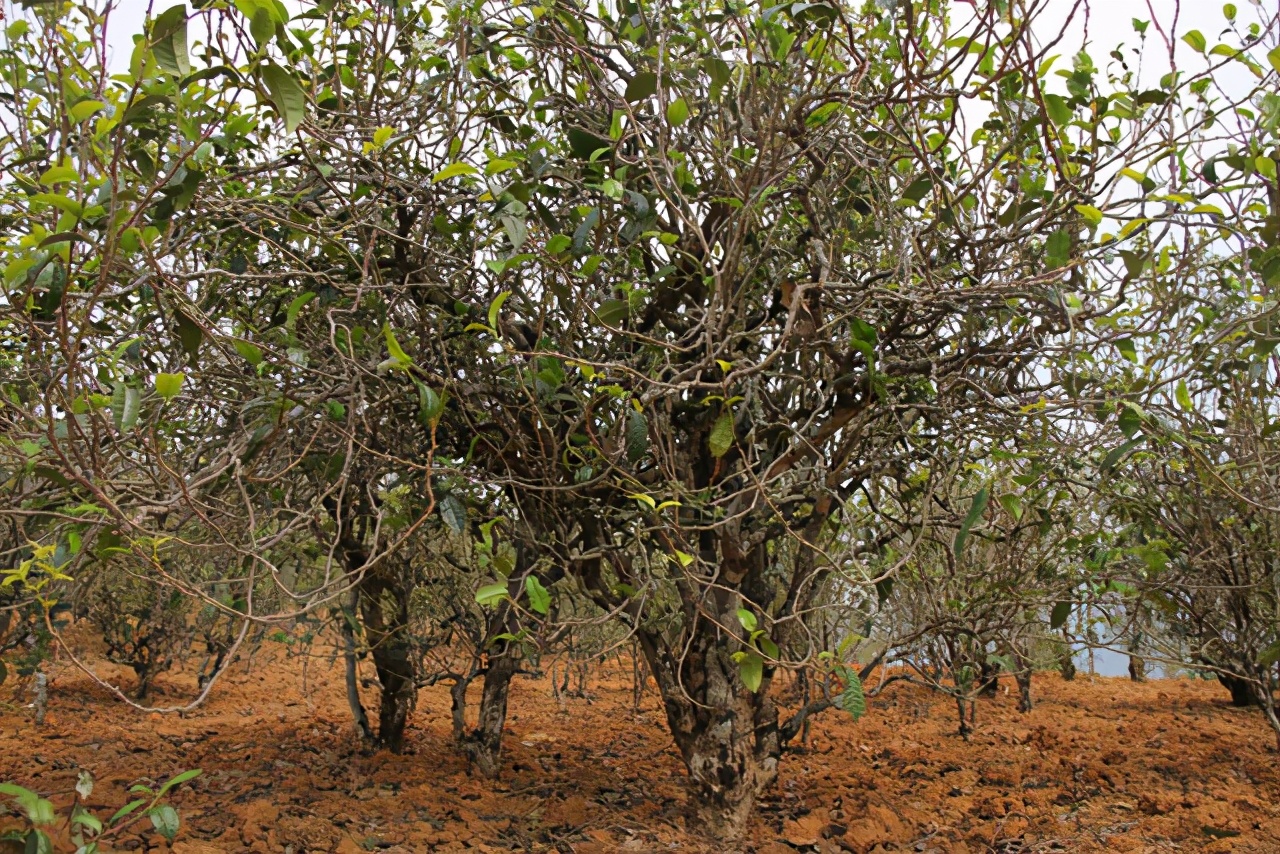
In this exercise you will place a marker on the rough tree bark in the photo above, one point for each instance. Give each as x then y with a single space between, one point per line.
384 606
458 708
1242 692
989 679
346 618
1023 677
484 743
1137 664
382 595
727 735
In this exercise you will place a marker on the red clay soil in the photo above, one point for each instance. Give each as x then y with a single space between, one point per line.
1101 765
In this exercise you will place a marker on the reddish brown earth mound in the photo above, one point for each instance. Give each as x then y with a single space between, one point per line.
1102 765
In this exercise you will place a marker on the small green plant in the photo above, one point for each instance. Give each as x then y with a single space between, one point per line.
87 831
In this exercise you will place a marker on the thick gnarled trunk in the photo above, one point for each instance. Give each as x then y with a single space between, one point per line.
385 608
484 744
381 596
727 735
1242 693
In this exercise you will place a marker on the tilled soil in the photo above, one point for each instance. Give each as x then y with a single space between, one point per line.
1099 765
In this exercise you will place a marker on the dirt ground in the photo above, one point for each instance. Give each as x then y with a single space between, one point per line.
1101 765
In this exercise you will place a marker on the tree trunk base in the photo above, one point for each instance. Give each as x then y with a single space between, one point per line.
1023 678
724 819
1242 695
484 746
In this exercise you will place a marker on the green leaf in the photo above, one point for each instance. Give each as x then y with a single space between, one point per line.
584 144
1136 176
398 355
251 353
296 306
539 598
491 594
261 26
382 136
678 112
1270 655
751 669
26 798
82 817
612 188
430 404
851 699
1134 262
495 307
1058 616
613 311
1060 113
976 508
190 335
38 842
177 780
1130 419
747 619
287 95
721 438
559 243
125 403
918 189
1127 349
1183 396
85 109
497 166
769 648
453 170
42 812
61 202
1091 215
1273 57
822 114
1196 39
1133 225
168 386
165 820
1115 455
641 86
1058 249
60 174
645 500
1012 504
637 436
169 41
